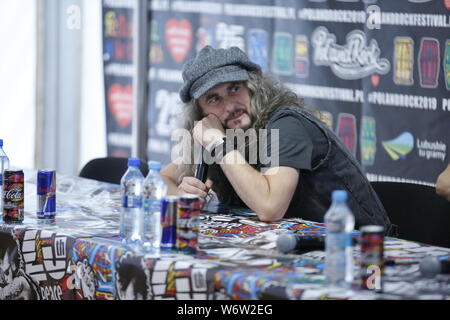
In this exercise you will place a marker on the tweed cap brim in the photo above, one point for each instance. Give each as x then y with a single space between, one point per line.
216 77
212 67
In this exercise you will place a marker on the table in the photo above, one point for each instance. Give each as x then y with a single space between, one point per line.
81 257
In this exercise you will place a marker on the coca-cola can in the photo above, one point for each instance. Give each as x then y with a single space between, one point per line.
372 257
13 196
188 213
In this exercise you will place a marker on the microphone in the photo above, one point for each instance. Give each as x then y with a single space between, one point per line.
430 267
288 242
201 171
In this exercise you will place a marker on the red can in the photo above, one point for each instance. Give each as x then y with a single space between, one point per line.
13 196
372 260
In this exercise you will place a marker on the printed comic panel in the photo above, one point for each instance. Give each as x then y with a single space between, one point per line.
34 265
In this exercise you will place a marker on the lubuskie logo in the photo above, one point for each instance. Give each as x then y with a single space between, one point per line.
351 61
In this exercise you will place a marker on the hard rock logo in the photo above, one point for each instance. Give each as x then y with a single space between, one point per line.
352 61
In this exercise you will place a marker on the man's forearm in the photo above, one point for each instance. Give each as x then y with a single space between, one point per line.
251 186
172 187
443 184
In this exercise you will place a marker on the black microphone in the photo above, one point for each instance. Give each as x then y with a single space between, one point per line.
288 242
430 267
201 172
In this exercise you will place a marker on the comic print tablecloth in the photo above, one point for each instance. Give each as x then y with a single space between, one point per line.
81 257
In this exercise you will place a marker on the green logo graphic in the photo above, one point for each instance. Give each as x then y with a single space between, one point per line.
283 54
368 141
399 147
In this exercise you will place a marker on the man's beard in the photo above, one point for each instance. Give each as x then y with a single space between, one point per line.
244 112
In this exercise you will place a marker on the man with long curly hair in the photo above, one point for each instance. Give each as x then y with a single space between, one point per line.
224 92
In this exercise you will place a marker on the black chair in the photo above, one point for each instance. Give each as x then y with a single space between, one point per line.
420 214
109 169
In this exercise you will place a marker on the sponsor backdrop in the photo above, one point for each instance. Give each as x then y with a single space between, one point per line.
378 70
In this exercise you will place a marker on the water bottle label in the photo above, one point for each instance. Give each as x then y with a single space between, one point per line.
338 246
338 241
132 202
152 205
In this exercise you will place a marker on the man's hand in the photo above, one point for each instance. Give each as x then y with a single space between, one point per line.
443 184
192 185
209 131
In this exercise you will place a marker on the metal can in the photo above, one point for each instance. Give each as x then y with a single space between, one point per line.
372 261
188 212
13 196
169 207
46 194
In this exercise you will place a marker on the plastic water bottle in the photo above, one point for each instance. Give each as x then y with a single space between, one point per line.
154 191
339 224
131 219
4 165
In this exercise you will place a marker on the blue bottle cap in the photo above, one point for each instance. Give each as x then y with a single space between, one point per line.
154 165
339 195
1 142
134 162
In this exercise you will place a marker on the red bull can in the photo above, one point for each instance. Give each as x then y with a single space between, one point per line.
372 260
13 196
188 213
169 209
46 194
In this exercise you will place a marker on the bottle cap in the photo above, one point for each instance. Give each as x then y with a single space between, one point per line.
1 142
154 165
339 195
134 162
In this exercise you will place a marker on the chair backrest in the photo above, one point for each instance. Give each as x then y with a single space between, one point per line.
420 214
109 169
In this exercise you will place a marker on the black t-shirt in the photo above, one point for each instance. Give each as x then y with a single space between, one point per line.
302 145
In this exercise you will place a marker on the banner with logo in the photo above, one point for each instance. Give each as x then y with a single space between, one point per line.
378 70
118 75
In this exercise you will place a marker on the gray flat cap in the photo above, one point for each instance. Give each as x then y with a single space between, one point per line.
212 67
